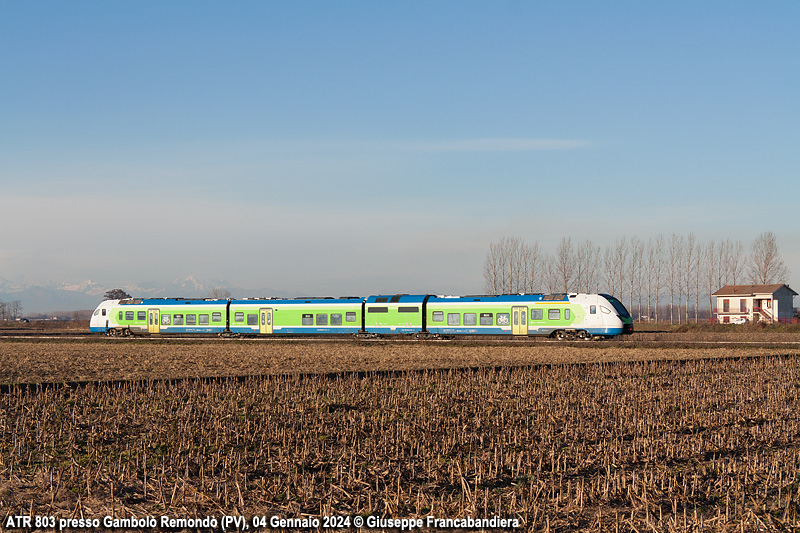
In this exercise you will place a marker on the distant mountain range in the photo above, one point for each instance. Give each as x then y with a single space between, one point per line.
55 297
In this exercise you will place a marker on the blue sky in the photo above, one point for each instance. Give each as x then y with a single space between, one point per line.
362 147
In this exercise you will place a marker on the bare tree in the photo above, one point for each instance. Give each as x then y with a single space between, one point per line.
765 265
689 271
614 260
655 267
564 265
586 260
674 253
116 294
531 267
512 266
635 272
16 309
219 293
698 275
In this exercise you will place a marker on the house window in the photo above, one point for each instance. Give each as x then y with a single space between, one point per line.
726 305
742 305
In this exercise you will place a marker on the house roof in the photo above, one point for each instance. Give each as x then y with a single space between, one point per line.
744 290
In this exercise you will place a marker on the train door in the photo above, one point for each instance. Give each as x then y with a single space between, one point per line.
153 321
519 320
265 321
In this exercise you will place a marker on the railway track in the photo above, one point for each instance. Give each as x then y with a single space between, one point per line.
638 339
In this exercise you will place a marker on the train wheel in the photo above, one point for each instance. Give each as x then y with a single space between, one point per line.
560 335
583 335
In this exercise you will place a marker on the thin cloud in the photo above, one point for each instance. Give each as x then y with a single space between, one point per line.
498 145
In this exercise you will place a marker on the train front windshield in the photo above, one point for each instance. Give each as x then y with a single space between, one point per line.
619 307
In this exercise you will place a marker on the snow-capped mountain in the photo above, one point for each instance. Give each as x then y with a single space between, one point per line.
50 297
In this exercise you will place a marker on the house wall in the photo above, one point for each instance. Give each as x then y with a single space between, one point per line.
784 302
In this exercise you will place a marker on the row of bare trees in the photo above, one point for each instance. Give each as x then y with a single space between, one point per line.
671 275
10 310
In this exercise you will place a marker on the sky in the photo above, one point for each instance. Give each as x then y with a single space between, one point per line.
362 147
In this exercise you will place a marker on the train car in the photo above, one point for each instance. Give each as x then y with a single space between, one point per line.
392 314
557 315
309 316
160 315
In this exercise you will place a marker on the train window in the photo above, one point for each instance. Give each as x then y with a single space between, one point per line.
592 309
503 319
128 315
177 320
104 312
308 320
438 316
453 319
537 314
336 319
216 317
566 314
165 320
322 319
119 317
487 319
408 309
238 317
191 320
203 320
470 319
381 300
378 309
350 316
141 315
252 320
554 314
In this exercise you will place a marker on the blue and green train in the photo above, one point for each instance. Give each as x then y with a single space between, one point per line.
556 315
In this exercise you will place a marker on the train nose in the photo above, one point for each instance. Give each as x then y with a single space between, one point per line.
627 329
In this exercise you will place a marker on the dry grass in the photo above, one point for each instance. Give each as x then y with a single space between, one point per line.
639 440
68 361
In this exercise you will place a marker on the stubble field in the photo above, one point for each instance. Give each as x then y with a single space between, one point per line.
597 437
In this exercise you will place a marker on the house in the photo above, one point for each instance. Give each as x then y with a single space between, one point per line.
754 303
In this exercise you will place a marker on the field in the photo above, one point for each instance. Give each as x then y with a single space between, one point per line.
600 436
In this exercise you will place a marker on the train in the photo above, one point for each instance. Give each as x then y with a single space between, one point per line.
560 316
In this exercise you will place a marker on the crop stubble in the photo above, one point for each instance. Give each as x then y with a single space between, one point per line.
662 445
